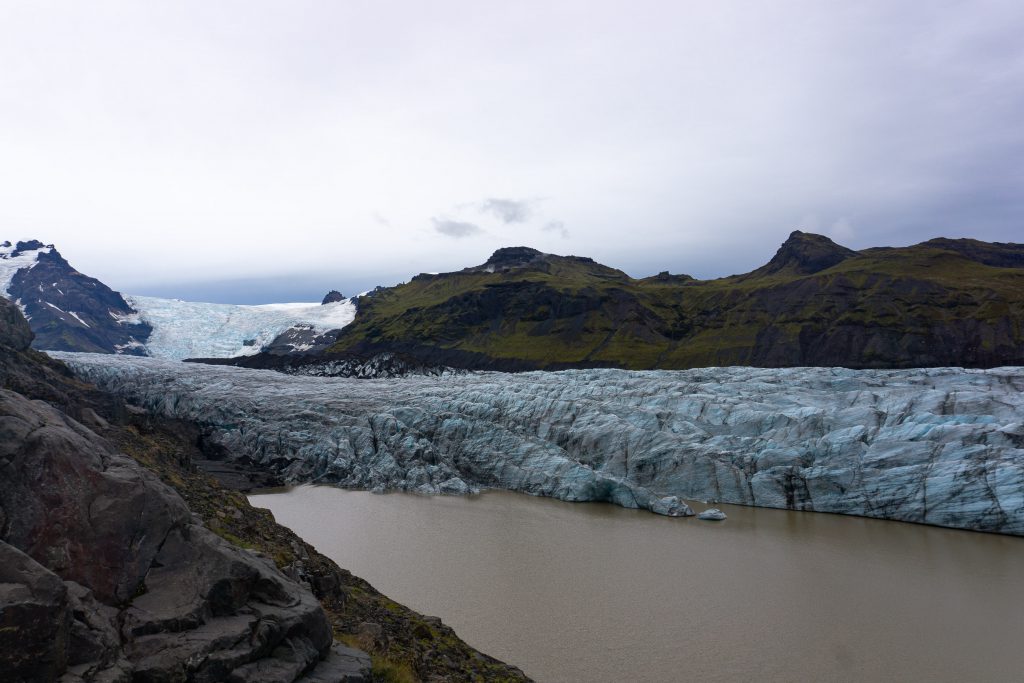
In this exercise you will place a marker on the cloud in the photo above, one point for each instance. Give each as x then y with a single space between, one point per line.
672 149
839 230
557 227
507 210
842 230
456 229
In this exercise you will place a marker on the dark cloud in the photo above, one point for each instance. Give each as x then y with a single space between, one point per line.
456 229
557 227
508 210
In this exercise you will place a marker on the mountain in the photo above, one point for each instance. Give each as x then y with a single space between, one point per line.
69 311
815 303
121 561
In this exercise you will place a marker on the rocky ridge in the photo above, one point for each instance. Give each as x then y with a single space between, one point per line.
943 302
941 446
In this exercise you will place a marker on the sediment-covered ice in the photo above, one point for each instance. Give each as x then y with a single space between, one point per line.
942 446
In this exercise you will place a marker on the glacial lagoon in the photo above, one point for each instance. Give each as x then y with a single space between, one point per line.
596 592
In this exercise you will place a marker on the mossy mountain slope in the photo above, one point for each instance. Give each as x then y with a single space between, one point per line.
816 303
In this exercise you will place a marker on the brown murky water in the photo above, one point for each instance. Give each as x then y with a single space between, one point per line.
593 592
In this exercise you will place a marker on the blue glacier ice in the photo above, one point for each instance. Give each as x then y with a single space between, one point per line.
941 446
186 329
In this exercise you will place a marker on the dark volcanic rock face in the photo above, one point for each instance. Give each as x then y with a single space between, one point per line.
301 340
513 257
69 311
998 254
106 575
79 530
805 254
333 296
35 618
14 330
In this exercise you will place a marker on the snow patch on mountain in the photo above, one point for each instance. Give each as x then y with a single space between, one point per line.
185 329
12 260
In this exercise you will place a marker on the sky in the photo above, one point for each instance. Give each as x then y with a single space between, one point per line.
267 151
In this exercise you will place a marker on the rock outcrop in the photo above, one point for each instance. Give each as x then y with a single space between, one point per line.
35 619
332 297
941 446
804 254
106 575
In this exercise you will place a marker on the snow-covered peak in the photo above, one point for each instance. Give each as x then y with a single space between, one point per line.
15 257
70 311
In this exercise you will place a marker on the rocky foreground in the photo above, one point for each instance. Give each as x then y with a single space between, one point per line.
120 562
940 446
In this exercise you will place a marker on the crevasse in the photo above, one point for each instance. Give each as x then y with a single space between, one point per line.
941 446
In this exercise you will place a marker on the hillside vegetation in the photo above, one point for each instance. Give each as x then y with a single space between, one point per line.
942 302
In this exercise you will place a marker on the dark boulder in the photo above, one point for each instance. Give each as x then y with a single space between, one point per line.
72 503
34 619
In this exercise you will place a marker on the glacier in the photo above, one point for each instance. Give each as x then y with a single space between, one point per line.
186 329
941 446
180 329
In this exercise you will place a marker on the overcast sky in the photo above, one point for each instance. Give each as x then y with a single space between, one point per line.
247 151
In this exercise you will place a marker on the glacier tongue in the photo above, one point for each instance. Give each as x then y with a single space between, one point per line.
185 329
941 446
